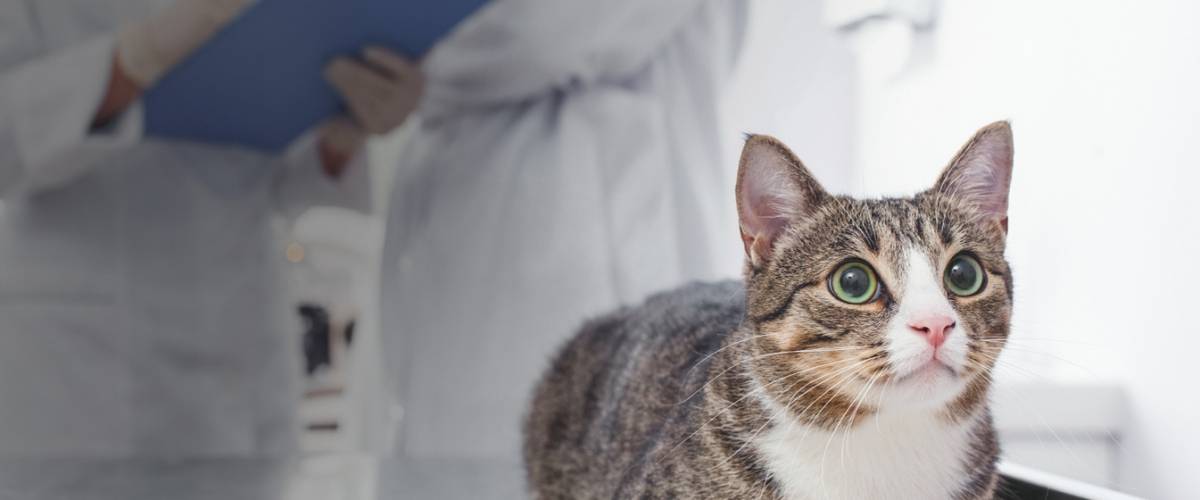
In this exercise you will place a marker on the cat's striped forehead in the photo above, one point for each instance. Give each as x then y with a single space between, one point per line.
880 231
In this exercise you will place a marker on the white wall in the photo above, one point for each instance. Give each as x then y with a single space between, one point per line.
1104 98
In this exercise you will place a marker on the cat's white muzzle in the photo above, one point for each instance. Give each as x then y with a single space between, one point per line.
925 373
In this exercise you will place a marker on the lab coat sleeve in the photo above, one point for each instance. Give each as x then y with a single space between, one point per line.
303 183
47 106
514 51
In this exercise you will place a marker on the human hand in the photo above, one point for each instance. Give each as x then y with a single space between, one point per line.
339 140
381 90
147 49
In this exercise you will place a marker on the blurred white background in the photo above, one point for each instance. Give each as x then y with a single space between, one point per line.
876 95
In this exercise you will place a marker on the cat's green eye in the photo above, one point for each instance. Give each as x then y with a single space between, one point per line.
854 283
964 276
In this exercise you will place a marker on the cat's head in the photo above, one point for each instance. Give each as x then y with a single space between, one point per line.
875 305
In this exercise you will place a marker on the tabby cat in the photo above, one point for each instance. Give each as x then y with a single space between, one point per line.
853 362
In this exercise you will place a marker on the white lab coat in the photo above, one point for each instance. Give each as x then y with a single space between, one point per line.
567 161
141 307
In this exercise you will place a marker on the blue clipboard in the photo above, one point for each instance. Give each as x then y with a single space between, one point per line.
258 83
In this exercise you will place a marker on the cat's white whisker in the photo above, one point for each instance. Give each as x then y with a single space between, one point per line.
816 384
804 413
838 425
810 428
759 357
846 374
1020 338
1057 357
760 388
865 392
723 348
1004 363
887 383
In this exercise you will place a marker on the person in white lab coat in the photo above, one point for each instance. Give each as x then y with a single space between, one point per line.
566 160
141 310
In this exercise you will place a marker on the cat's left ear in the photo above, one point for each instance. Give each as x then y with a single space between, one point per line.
981 172
774 191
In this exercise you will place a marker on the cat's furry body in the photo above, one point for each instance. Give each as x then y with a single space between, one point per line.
791 386
670 436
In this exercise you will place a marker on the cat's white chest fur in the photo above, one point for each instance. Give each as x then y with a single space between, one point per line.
905 456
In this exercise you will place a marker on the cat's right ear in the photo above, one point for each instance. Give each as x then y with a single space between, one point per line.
981 172
774 191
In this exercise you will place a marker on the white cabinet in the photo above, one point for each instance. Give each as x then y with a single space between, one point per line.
1069 430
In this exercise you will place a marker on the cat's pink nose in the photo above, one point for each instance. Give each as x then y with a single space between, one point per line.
934 328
